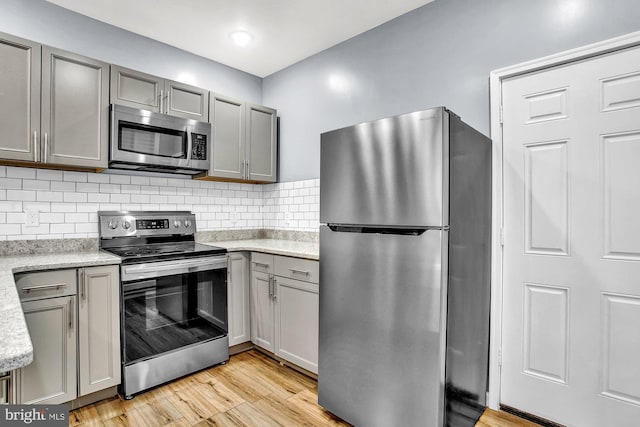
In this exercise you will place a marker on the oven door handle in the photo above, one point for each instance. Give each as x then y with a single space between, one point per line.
169 268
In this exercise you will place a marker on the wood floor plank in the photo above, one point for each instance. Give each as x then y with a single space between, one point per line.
251 390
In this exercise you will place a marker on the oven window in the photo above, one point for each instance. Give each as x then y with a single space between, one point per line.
167 313
151 140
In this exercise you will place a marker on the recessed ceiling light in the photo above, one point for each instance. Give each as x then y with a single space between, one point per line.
241 38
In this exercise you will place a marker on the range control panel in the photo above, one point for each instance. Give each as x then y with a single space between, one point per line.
136 223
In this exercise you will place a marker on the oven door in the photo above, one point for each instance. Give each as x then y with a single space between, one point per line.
169 305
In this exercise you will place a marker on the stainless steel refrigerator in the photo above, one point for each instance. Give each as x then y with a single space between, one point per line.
405 207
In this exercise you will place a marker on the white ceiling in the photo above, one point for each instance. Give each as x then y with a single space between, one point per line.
284 31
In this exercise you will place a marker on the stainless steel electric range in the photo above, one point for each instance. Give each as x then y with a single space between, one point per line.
173 296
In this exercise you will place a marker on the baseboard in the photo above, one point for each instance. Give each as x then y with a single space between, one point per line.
530 417
93 397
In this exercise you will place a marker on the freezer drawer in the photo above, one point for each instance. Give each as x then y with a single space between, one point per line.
381 359
392 171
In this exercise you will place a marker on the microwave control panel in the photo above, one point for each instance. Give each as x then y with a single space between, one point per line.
199 147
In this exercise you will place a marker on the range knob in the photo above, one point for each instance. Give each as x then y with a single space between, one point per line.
113 224
176 223
187 223
126 224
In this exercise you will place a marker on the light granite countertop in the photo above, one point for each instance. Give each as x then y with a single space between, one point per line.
15 344
308 250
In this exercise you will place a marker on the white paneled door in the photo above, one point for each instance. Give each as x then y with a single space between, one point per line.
571 313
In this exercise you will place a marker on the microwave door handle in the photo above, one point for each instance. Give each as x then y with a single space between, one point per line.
189 145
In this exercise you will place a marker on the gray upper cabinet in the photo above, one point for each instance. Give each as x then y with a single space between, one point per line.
54 106
19 98
145 91
228 153
244 140
75 109
261 143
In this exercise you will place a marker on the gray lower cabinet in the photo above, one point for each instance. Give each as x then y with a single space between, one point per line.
98 329
148 92
54 106
285 307
238 298
73 321
244 140
262 301
51 377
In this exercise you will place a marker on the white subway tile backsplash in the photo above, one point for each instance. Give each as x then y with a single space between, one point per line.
75 197
48 175
49 196
26 173
120 198
119 179
69 201
10 183
74 176
33 184
98 178
98 198
65 186
24 195
110 188
89 187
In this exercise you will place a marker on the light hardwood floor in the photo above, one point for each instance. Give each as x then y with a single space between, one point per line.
250 390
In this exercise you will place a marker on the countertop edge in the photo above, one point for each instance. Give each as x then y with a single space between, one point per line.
305 250
17 349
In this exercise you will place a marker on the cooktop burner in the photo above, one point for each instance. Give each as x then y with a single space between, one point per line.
164 251
146 236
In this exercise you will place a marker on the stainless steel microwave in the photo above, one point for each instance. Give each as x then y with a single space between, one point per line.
144 140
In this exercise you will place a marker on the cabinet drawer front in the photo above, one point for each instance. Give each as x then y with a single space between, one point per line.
261 262
46 284
296 268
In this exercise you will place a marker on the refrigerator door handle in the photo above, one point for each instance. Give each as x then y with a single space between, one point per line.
402 231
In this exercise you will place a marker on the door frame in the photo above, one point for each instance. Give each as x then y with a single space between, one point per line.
496 78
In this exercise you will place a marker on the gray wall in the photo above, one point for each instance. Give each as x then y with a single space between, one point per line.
49 24
440 54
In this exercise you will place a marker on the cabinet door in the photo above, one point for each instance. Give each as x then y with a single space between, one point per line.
228 154
238 299
261 143
135 89
186 101
19 98
98 328
75 109
297 307
51 377
262 327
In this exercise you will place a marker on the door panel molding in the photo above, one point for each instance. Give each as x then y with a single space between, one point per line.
496 79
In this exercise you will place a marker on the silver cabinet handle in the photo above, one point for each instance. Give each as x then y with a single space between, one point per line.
166 109
261 264
36 149
270 287
275 288
248 170
160 99
44 287
294 271
45 149
71 307
81 283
